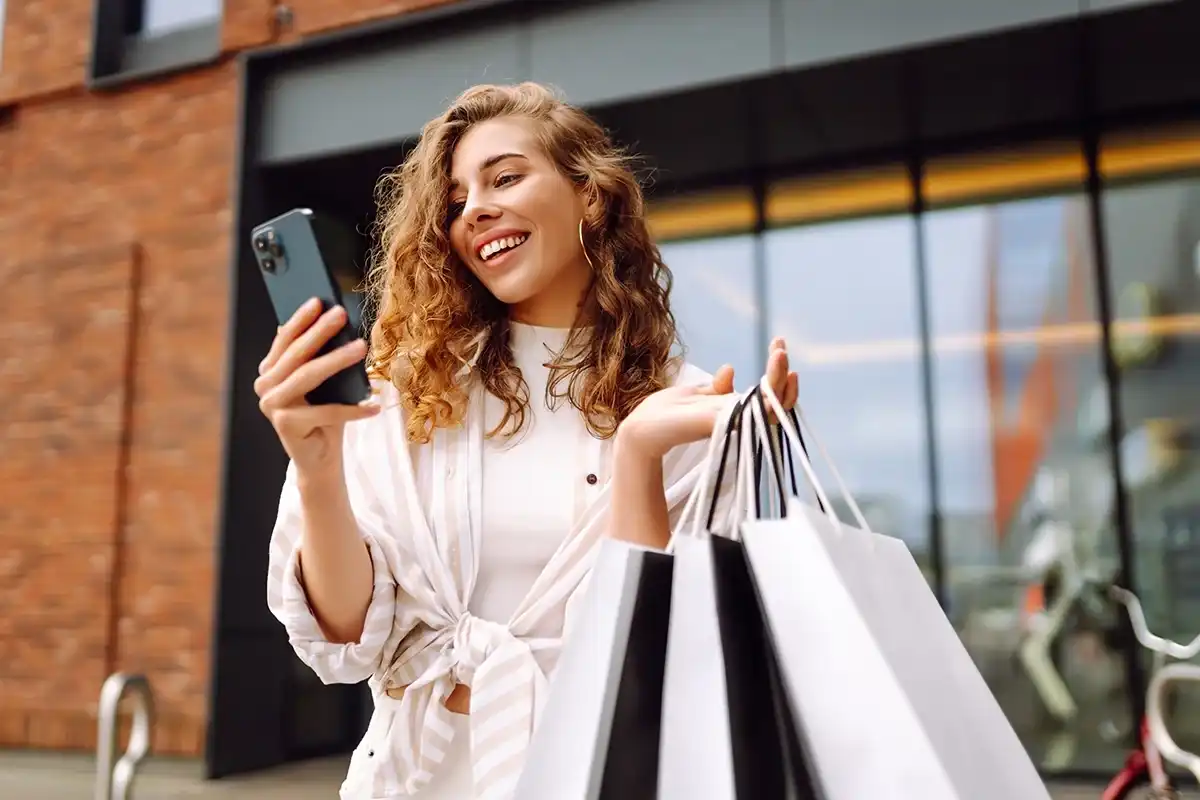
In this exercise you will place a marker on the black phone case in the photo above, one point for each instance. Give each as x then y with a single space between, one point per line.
292 253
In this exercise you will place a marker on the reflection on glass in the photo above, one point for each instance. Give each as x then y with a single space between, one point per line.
164 16
713 299
1152 234
844 296
1026 482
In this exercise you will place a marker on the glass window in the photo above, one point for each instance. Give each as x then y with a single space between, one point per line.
165 16
1152 230
844 296
714 302
1026 482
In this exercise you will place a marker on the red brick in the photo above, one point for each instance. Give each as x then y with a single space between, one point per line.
46 47
115 217
247 23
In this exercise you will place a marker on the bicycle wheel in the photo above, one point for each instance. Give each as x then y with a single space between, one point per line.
1140 789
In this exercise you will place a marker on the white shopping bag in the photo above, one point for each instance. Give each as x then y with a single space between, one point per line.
719 740
953 735
598 733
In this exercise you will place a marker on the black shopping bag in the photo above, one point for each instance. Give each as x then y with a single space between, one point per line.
598 734
726 731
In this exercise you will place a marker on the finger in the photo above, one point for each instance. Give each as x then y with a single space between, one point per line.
792 394
723 380
777 369
292 389
299 420
722 383
288 331
302 349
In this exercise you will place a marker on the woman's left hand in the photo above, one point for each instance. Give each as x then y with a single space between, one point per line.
666 419
683 414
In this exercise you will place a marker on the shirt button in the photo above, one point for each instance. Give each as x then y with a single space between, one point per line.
592 479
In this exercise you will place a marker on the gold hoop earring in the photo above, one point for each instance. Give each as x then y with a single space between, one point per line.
584 247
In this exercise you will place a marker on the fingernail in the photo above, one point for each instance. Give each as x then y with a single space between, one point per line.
262 366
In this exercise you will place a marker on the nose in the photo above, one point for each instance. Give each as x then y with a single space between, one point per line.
477 210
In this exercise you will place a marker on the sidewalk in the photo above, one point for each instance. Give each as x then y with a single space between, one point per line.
59 776
48 776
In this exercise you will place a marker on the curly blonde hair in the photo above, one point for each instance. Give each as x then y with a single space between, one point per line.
433 316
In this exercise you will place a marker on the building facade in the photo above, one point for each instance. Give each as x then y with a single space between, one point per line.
977 223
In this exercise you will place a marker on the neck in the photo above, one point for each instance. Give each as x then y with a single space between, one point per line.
559 307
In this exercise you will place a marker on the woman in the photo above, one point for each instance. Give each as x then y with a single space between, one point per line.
528 402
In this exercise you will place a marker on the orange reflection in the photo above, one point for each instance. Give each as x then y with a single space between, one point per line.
1148 152
1010 172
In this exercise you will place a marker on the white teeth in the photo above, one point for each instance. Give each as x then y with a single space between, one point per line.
508 242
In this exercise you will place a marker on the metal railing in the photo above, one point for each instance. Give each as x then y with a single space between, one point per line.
1155 696
114 778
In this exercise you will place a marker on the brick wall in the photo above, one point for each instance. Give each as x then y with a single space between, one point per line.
115 215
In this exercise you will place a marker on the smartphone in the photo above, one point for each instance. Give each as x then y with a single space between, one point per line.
293 252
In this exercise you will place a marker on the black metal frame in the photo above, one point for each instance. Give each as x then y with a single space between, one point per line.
247 496
120 54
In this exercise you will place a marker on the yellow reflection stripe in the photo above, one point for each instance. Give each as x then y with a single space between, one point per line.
981 175
1144 152
947 180
840 195
707 214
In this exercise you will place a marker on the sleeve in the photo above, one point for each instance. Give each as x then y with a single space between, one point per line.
288 601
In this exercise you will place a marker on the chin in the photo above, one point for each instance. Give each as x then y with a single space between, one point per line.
510 293
513 287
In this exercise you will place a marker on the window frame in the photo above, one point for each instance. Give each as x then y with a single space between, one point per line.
118 58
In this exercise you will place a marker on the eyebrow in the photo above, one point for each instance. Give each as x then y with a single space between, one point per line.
492 161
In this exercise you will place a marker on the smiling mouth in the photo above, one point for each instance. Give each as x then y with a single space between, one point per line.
498 247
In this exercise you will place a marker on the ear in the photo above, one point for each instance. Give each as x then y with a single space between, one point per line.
592 202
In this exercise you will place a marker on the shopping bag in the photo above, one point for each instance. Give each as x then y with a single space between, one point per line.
956 740
720 738
920 642
599 729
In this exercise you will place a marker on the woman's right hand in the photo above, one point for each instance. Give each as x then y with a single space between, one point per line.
311 435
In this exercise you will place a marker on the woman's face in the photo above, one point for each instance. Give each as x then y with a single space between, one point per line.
514 222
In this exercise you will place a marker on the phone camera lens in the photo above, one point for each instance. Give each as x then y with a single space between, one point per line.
268 242
268 264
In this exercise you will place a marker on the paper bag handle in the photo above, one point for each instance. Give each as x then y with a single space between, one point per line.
777 446
758 411
791 425
699 496
751 441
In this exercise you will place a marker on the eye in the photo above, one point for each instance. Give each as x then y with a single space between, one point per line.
454 209
507 178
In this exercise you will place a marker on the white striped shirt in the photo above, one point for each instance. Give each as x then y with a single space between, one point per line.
418 510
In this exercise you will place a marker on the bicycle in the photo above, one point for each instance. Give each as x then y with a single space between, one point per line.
1145 767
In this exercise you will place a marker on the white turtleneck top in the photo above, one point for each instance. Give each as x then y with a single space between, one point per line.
534 483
